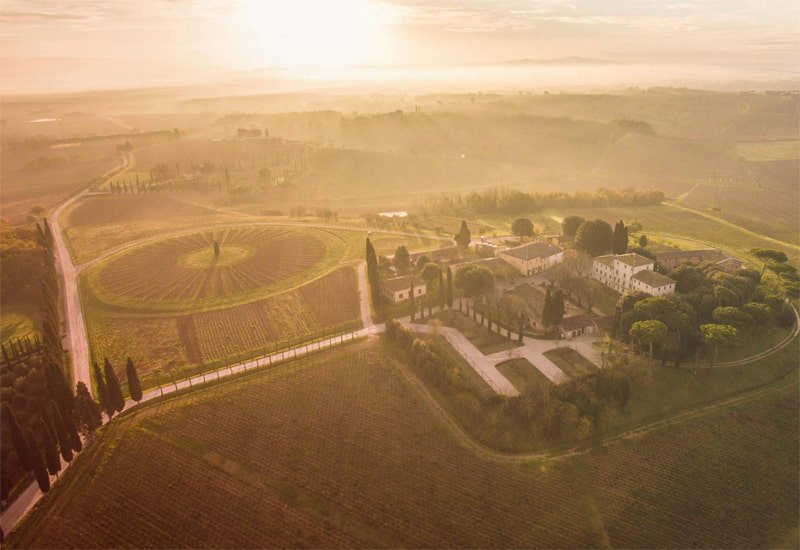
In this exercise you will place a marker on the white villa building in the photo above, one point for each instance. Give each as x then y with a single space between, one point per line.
532 257
398 289
632 271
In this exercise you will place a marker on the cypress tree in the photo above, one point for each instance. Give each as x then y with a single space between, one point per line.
59 388
113 386
134 387
18 439
72 433
463 237
449 287
442 291
39 467
546 309
64 442
102 391
51 457
371 257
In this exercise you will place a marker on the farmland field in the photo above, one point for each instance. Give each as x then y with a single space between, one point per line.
184 271
186 343
371 464
670 220
773 211
769 150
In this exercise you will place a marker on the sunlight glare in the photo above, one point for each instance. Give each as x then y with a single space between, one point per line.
313 33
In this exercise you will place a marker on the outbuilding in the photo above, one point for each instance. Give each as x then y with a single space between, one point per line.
398 289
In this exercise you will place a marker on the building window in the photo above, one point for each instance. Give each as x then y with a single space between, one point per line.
400 296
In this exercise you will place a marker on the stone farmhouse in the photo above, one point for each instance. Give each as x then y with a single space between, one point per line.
398 289
532 258
673 258
631 271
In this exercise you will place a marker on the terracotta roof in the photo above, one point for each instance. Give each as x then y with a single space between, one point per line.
531 251
576 322
402 283
633 259
653 279
606 260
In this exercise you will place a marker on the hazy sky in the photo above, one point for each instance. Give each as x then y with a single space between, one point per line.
66 44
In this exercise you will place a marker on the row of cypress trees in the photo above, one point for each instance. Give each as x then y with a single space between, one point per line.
109 389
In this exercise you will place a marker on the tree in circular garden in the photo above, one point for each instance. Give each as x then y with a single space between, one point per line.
594 237
134 386
522 227
570 225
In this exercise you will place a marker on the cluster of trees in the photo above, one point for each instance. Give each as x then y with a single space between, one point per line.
504 201
711 308
436 366
595 237
778 264
554 308
39 408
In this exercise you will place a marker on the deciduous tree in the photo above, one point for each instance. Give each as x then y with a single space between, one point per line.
719 336
522 227
570 225
594 237
88 413
648 332
402 259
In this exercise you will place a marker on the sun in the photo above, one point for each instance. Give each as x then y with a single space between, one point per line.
311 33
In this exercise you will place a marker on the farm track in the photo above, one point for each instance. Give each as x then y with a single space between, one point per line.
78 348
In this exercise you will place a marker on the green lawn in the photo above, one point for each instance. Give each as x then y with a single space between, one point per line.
488 343
658 392
524 376
16 321
571 363
603 298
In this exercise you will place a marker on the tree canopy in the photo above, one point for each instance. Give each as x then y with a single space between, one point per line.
594 237
463 237
522 227
570 225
